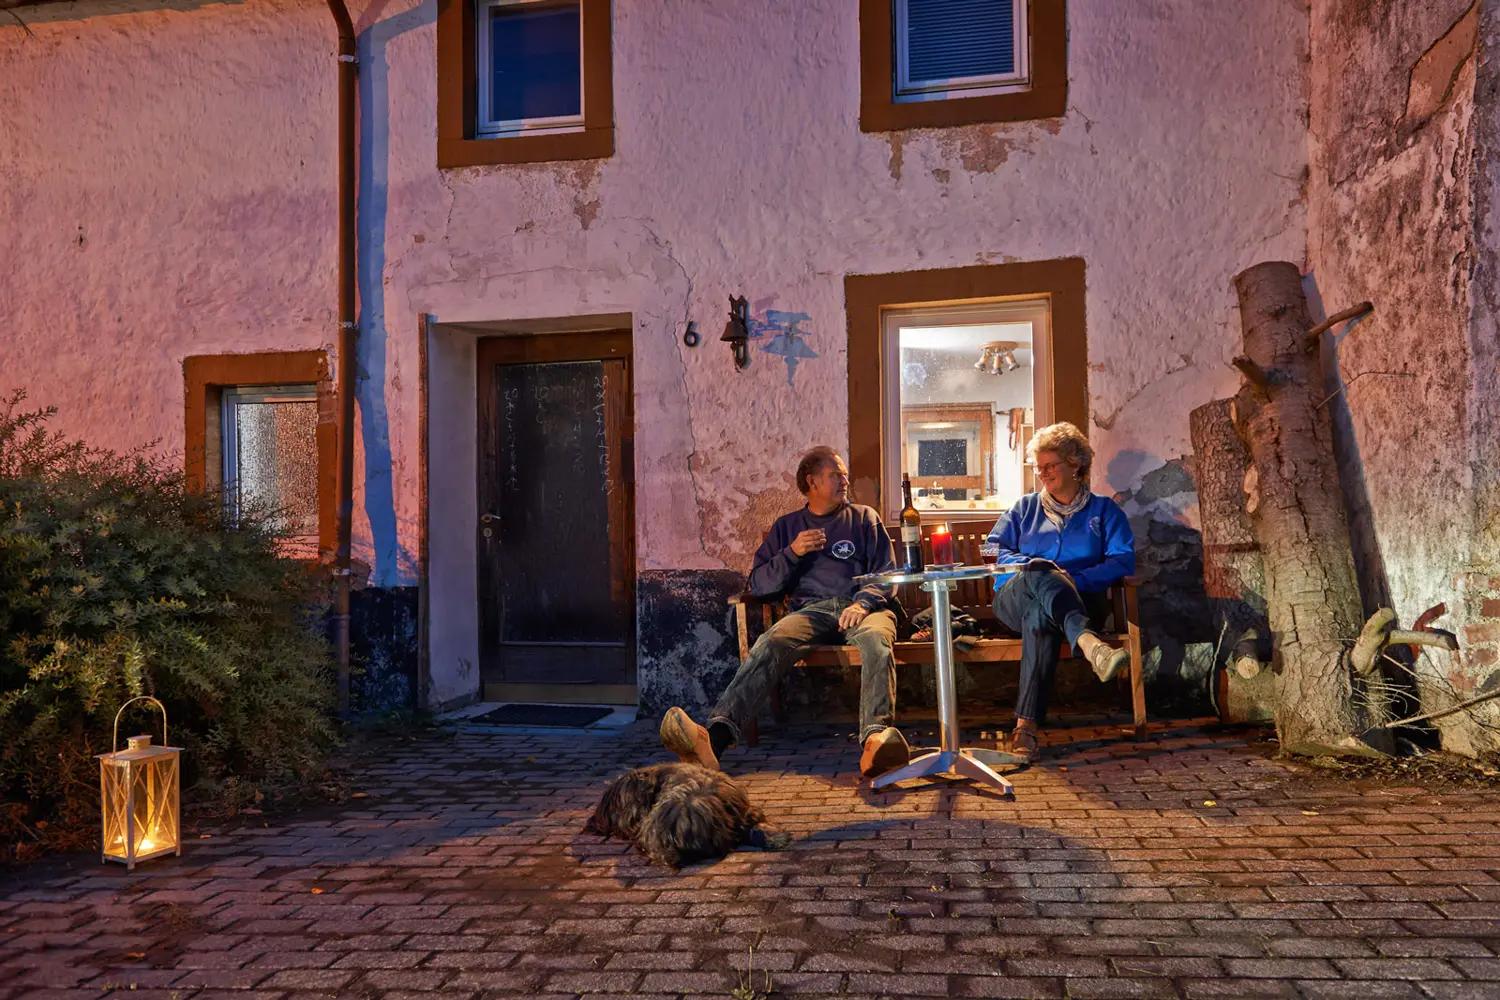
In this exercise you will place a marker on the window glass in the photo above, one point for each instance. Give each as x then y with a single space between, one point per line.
270 454
530 65
958 45
963 402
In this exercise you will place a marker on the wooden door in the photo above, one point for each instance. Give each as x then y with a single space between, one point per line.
556 535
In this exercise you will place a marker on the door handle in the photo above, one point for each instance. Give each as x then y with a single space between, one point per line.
484 521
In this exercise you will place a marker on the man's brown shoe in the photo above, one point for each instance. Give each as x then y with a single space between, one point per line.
884 751
1023 743
1107 660
687 739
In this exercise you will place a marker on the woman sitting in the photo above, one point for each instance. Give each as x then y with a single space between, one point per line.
1068 546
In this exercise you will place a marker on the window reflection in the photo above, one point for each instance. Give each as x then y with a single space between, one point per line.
965 400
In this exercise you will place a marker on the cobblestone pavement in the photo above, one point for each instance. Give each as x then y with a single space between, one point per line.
1186 866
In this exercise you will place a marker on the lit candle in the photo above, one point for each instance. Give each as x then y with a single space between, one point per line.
942 544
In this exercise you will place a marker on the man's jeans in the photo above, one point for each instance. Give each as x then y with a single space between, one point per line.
782 645
1043 606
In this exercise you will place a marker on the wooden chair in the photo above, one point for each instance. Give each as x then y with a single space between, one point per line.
972 597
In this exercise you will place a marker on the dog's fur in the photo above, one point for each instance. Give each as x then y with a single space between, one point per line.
676 814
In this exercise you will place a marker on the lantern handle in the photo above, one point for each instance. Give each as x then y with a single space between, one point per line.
115 741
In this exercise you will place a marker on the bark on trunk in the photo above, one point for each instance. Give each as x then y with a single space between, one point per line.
1232 571
1297 512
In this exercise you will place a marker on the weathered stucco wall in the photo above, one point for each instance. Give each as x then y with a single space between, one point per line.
192 152
1400 139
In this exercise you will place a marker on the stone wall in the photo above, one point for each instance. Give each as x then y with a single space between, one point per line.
1402 119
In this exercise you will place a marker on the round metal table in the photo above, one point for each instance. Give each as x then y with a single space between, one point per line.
949 757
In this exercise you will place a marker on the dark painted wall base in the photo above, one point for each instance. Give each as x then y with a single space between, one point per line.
383 649
687 650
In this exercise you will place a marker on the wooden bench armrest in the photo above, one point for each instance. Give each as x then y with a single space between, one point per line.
752 600
1130 581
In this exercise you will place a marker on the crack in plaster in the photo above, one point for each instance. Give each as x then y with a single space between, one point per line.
665 250
1107 422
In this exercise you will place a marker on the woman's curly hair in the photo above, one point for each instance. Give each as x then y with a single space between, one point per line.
1068 443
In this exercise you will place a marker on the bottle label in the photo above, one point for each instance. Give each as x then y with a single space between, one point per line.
911 533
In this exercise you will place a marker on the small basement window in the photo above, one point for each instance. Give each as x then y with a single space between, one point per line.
269 455
959 48
530 66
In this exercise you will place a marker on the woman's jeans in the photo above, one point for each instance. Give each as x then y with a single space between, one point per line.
783 644
1043 607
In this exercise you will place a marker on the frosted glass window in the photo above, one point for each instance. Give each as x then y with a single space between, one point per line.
270 454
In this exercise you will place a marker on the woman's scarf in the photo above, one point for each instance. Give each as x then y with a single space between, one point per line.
1058 512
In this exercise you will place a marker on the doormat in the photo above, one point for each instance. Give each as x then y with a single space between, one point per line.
561 716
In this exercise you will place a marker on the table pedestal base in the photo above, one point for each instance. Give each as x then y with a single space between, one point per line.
963 763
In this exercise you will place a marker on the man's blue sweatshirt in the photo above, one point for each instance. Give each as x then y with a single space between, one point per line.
1095 545
857 544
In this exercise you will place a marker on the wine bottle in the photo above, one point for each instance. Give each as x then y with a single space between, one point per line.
911 529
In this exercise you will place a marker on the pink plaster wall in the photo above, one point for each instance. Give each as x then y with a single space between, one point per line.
193 152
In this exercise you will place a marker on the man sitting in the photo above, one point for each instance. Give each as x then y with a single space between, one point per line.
812 556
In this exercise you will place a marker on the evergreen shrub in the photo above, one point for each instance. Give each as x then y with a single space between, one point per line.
116 580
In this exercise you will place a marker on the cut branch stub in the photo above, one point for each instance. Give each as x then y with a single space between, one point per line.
1374 637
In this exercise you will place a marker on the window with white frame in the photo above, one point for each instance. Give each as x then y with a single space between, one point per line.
959 48
965 387
529 64
269 454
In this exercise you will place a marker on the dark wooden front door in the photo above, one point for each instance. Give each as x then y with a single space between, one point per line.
556 497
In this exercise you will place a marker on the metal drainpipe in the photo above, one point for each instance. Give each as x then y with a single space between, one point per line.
348 335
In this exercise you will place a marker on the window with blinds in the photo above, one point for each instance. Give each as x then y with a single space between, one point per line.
952 48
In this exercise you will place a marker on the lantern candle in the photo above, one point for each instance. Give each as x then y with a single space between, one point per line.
139 791
942 544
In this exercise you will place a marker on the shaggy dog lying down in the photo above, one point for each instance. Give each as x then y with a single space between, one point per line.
676 814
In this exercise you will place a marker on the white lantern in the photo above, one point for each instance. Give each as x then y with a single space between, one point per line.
138 787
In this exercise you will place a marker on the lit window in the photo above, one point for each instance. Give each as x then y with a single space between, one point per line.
959 48
529 63
968 387
269 455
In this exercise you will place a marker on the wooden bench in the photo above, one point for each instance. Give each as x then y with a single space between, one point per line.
972 597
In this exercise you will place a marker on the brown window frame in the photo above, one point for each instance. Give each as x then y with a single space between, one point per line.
457 97
1047 97
206 377
868 296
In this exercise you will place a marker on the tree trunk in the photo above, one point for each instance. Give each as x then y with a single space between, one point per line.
1297 513
1232 571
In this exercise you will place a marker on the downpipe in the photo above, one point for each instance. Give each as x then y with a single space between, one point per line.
347 339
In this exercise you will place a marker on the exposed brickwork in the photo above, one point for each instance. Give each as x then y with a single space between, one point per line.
1188 866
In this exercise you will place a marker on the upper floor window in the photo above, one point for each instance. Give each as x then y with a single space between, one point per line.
524 81
529 60
933 63
948 48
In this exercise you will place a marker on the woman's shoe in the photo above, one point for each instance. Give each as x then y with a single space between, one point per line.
1107 661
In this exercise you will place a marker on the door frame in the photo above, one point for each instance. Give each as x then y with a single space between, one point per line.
544 348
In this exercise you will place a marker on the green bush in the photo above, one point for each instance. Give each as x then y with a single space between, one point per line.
115 580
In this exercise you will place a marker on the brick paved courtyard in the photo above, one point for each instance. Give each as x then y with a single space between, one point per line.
1187 866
